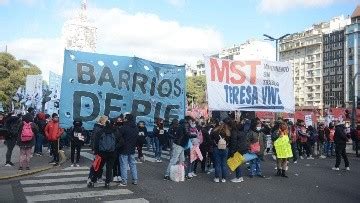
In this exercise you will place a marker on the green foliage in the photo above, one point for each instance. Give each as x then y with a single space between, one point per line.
196 89
13 75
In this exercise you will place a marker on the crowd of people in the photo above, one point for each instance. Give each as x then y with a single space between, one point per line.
198 145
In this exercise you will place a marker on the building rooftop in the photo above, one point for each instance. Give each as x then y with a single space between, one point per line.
356 13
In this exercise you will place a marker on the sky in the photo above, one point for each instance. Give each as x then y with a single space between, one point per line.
166 31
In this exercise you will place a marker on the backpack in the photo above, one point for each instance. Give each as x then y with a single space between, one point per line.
222 143
107 142
26 133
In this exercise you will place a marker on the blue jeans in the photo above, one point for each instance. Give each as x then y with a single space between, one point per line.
126 160
220 162
330 149
39 142
255 167
158 148
238 172
177 155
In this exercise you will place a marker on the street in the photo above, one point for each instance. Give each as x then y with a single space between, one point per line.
309 180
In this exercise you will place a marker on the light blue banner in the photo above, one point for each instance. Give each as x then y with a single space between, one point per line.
97 84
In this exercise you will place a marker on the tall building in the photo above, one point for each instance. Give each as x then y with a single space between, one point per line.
333 69
304 51
352 56
251 49
78 33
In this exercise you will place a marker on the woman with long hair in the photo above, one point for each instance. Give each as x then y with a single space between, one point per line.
221 138
283 150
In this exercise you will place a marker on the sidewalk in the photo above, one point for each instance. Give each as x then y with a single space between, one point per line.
37 163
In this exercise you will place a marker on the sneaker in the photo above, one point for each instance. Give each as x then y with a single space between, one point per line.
117 179
90 184
77 165
166 177
52 162
28 168
159 161
335 169
190 175
72 165
216 180
301 157
8 165
20 168
322 157
194 174
122 184
237 180
107 186
56 164
295 162
310 158
135 182
347 168
11 163
223 180
100 181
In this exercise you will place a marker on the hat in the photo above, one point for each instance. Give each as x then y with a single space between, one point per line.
54 115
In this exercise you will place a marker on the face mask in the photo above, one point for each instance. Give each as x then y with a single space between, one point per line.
258 128
193 125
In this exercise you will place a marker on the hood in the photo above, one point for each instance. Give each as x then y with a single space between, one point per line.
77 123
41 116
27 118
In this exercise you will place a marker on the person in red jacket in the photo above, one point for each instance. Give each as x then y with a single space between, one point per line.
53 133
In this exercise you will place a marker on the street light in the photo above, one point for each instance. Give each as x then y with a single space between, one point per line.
276 42
353 115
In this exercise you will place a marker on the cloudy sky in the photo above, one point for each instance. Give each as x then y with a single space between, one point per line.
167 31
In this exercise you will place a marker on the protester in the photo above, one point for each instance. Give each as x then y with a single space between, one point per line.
340 140
205 147
321 141
12 125
40 121
3 130
357 141
238 143
159 138
77 137
31 114
221 137
181 139
196 139
53 133
283 150
312 140
129 132
141 140
105 140
330 135
304 141
172 131
119 121
256 143
26 140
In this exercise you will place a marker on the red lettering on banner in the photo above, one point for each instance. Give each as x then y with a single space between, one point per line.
220 72
238 77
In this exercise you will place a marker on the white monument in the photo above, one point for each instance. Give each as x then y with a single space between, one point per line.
79 33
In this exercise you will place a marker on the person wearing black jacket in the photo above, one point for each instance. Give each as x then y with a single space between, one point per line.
340 140
77 136
107 157
159 138
172 131
12 125
181 140
40 121
141 140
238 143
129 133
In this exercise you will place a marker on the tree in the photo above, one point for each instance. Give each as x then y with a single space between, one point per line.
196 89
13 75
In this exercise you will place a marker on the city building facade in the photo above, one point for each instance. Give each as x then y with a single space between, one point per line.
304 51
352 57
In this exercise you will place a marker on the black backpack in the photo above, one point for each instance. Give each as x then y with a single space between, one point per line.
107 142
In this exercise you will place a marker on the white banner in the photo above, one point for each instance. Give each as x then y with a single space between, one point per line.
33 91
256 85
54 85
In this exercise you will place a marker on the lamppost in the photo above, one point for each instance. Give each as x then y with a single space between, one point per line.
353 115
277 40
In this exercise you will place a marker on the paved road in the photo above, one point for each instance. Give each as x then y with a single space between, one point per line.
310 180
